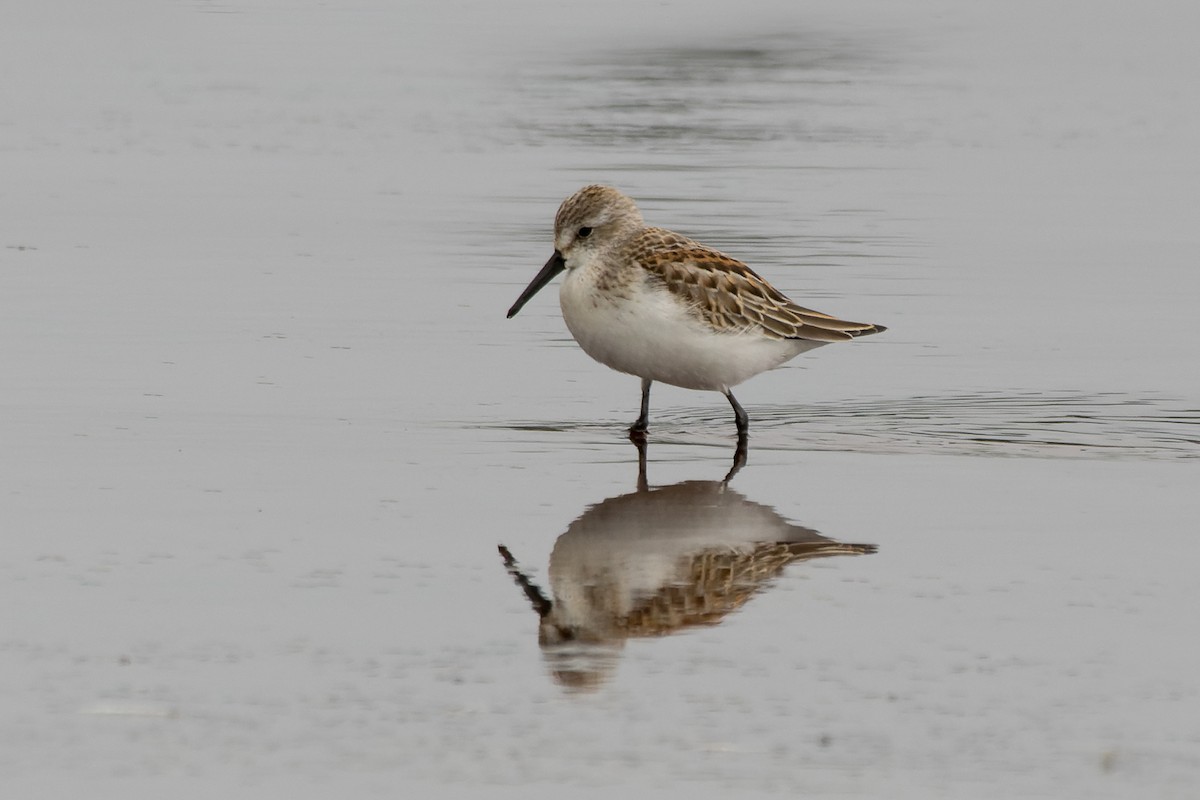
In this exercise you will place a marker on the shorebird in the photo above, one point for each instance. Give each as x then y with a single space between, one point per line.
653 303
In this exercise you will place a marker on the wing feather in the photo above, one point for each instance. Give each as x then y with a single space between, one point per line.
730 296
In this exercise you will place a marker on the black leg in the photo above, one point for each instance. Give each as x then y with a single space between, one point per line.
743 420
640 443
739 457
643 421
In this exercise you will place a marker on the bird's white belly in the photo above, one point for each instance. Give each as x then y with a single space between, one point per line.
646 331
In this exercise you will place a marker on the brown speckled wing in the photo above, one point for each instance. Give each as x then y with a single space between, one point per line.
730 296
716 582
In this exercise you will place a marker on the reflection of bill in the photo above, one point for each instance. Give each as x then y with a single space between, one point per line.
654 562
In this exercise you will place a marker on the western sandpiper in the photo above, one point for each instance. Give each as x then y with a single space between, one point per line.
654 562
655 304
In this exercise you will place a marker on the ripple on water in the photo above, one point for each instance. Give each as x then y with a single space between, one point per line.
790 86
1009 424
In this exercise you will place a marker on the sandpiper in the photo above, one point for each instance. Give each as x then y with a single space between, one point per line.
655 304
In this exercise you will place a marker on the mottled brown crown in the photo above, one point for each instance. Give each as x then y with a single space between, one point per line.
594 206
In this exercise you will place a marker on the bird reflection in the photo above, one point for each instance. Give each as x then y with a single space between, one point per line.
658 561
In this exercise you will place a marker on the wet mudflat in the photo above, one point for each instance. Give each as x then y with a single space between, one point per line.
266 428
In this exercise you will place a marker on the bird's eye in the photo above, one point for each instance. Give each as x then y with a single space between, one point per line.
585 232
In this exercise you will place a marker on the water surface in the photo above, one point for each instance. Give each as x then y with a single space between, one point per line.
265 425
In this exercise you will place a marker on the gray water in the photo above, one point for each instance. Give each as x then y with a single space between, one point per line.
265 426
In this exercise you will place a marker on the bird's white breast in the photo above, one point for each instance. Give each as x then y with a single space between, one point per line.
639 327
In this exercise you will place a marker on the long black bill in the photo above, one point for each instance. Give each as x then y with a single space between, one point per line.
541 604
554 266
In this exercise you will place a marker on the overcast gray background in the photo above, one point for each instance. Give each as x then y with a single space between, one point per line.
263 422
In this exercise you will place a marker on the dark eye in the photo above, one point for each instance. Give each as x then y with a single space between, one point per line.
585 232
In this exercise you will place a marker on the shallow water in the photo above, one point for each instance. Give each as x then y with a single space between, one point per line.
265 424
